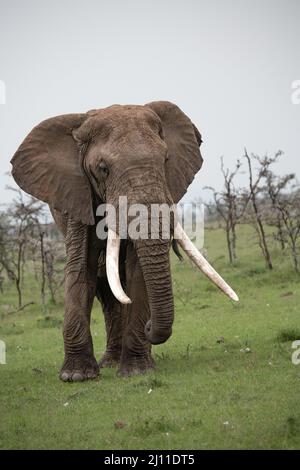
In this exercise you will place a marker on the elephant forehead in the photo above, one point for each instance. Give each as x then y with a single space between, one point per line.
121 113
122 118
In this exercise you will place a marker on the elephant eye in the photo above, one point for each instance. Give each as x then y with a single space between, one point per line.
103 168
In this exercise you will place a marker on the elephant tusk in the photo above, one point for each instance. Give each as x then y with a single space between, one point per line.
199 260
112 267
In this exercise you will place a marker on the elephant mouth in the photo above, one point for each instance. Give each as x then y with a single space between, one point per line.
112 264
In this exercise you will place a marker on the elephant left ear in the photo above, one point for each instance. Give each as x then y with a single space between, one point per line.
183 140
48 166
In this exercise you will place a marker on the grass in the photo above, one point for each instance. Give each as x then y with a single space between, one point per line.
225 380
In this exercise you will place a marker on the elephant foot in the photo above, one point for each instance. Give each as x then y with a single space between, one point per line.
78 368
110 359
136 366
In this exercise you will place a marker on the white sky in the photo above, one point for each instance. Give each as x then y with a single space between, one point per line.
229 64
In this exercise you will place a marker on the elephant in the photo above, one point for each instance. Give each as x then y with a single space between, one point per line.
76 162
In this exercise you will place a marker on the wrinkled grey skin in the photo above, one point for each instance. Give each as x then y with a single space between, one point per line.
75 162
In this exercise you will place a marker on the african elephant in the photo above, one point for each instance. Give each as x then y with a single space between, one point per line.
75 162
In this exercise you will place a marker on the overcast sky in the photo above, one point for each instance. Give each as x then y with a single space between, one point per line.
229 64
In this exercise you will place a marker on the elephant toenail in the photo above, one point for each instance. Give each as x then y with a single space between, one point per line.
65 376
77 377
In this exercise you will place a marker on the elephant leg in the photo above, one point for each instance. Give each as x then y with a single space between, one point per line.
113 316
80 287
136 350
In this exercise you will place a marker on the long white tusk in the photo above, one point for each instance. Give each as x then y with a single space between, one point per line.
112 267
199 260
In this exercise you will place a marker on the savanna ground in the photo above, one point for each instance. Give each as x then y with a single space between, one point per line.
224 380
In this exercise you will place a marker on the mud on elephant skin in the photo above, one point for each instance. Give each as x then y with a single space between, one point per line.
74 162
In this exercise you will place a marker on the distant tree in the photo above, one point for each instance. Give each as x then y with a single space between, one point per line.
53 250
275 187
289 208
4 225
253 193
229 204
45 252
17 226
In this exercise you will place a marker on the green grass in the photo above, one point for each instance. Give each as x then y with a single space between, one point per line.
225 380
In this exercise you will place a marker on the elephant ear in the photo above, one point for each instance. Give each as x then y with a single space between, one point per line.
48 166
183 140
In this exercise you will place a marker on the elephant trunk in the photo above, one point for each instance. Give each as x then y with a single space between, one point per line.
153 257
154 260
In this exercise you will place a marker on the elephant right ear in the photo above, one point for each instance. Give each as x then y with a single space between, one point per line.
48 166
183 141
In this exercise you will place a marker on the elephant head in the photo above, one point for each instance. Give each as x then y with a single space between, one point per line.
148 153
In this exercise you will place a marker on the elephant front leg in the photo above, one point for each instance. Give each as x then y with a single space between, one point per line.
80 287
136 350
113 317
80 363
